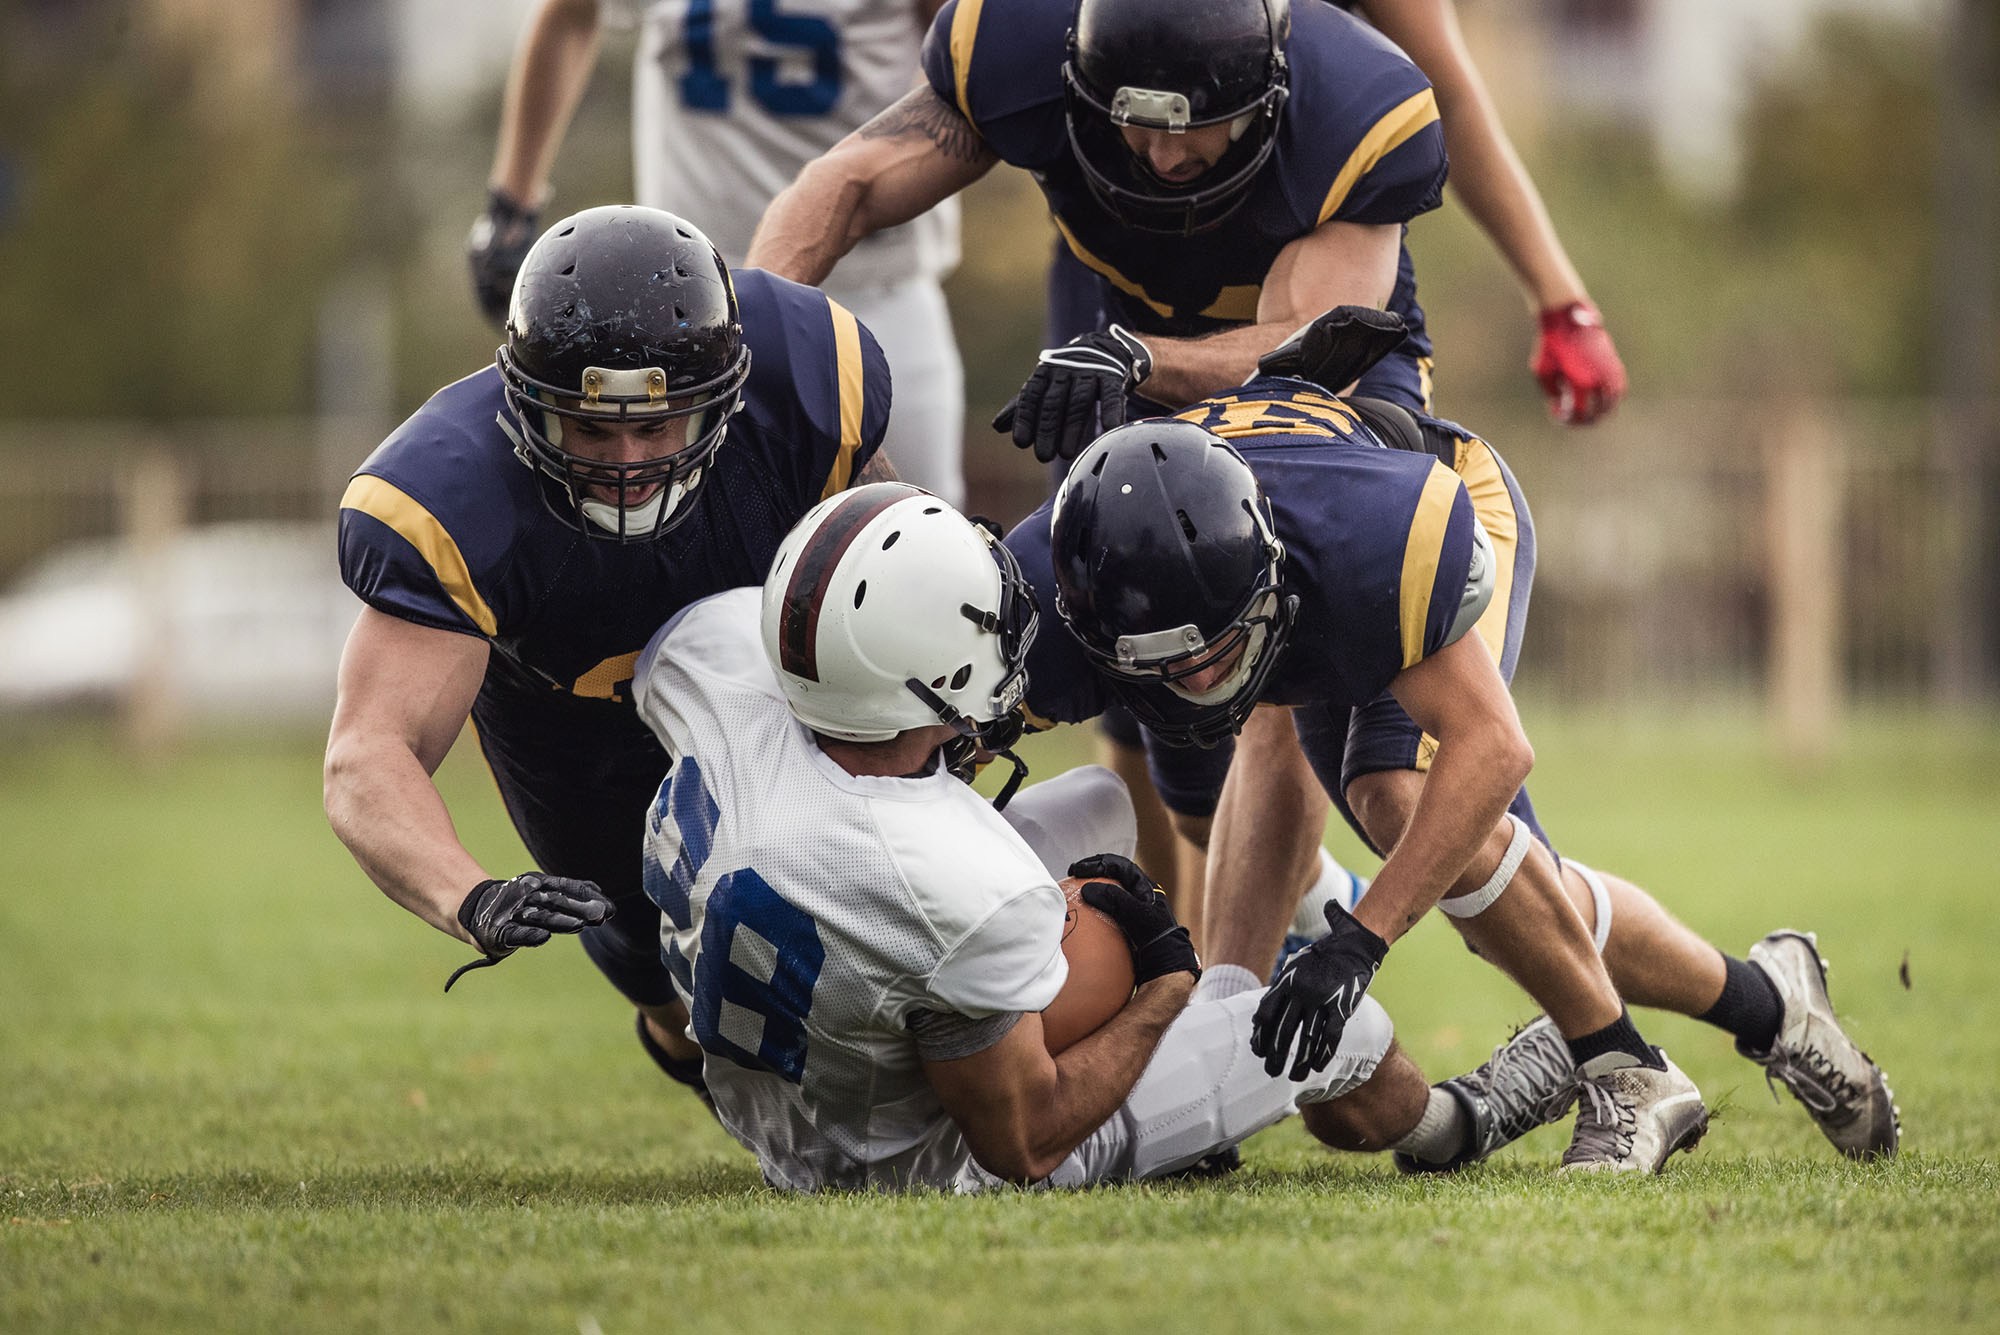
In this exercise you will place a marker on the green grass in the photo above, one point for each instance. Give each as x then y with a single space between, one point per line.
232 1096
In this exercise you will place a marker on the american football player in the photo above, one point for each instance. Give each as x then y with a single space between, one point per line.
865 945
1280 558
653 427
1224 169
729 99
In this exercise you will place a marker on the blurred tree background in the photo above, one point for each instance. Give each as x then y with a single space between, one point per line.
193 230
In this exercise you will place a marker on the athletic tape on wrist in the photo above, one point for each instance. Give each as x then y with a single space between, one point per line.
1477 902
1600 899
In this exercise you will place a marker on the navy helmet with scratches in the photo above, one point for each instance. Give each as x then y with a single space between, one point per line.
623 315
1166 564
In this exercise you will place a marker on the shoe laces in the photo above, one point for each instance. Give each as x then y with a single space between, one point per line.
1527 1084
1606 1126
1815 1081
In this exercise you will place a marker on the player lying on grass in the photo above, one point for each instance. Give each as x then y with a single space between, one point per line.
1263 563
865 945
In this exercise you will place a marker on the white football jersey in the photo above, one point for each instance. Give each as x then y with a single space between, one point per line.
731 98
808 913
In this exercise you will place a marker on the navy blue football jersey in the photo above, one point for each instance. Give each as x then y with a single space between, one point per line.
1378 550
444 526
1359 141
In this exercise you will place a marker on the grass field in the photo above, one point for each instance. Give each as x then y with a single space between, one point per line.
233 1098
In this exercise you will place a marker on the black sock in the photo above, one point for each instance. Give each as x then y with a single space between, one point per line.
1618 1036
1748 1007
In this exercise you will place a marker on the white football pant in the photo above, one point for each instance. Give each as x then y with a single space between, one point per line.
1203 1091
925 440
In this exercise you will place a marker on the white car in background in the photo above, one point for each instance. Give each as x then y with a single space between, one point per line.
248 620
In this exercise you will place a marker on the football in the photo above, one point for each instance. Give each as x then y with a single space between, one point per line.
1100 972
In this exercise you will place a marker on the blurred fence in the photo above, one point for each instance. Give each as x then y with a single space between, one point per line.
1817 550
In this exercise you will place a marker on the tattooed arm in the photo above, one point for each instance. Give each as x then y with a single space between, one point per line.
913 155
877 469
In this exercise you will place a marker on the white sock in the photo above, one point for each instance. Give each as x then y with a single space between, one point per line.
1336 883
1221 981
1441 1133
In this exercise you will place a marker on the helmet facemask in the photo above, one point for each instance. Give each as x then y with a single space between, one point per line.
1124 184
648 497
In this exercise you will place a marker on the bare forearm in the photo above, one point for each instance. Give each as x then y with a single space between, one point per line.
384 807
1264 846
1470 783
1188 370
1096 1075
812 223
547 81
1488 177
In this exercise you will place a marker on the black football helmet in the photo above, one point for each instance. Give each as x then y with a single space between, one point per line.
1175 65
620 315
1166 561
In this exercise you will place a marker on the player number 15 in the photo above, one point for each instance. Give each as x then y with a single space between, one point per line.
703 88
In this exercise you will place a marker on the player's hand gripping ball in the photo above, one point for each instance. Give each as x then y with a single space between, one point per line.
1100 972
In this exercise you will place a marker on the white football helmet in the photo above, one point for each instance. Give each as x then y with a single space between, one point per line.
886 610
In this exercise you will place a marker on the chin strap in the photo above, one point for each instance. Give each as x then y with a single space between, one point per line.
961 753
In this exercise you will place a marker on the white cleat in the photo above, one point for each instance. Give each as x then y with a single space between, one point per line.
1529 1081
1846 1093
1632 1118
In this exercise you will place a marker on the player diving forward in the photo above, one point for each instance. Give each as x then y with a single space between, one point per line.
865 945
651 432
1265 549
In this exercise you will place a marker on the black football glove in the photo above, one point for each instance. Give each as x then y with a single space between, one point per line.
1315 996
1337 348
1158 942
1077 392
504 916
499 242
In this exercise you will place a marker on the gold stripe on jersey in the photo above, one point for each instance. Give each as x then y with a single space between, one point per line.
1425 367
847 357
964 29
1384 138
1111 275
389 504
1421 555
1236 302
1493 506
602 682
1302 414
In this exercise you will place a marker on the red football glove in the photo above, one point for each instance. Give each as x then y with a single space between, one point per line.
1577 365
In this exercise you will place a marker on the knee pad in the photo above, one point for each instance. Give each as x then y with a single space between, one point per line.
1476 902
1599 897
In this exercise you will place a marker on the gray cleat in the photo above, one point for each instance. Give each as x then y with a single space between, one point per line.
1632 1118
1846 1094
1529 1081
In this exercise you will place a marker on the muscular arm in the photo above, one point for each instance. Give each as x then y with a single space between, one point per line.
1486 173
904 161
404 693
1456 695
552 66
1337 264
1023 1111
1265 843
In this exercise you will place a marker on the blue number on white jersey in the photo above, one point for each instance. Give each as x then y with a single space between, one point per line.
703 89
760 954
